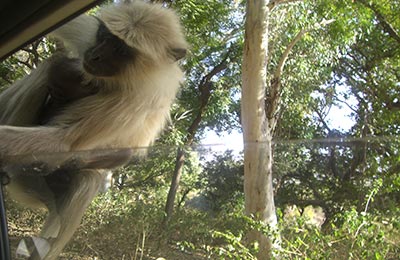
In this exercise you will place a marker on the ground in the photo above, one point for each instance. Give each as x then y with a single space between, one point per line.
112 240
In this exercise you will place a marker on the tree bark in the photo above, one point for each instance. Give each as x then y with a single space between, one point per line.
257 135
169 206
205 88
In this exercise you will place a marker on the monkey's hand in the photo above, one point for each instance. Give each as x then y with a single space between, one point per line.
66 80
66 84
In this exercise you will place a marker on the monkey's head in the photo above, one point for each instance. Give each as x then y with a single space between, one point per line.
132 33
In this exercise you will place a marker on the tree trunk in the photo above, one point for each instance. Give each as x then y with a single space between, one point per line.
257 135
205 87
169 206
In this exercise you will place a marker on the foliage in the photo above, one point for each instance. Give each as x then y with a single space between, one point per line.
213 31
22 62
131 219
363 236
223 179
352 174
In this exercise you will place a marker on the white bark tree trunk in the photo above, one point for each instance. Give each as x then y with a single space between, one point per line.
257 135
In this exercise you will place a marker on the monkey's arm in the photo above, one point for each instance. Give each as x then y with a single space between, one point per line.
21 103
41 151
66 84
27 102
27 140
46 163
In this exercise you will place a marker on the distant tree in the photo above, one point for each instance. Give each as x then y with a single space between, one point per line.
223 177
335 174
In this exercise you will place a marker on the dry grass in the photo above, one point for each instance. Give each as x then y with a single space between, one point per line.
117 239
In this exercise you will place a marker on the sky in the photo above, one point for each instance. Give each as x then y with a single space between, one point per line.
337 118
339 115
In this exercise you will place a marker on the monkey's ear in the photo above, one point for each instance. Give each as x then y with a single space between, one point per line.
178 53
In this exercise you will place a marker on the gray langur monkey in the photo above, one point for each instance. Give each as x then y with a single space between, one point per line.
127 59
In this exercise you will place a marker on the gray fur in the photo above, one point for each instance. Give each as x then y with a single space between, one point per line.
130 109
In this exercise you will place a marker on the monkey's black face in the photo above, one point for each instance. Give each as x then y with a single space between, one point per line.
109 56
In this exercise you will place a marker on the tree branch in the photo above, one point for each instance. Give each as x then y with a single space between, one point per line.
273 96
322 119
282 61
387 27
205 87
274 3
296 39
348 105
26 64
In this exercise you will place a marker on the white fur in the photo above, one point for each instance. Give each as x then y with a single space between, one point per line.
76 40
130 109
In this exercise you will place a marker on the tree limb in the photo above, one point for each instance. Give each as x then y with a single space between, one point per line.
322 119
273 96
205 87
274 3
27 64
348 105
387 27
295 40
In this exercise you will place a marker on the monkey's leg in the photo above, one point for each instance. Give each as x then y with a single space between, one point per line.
71 204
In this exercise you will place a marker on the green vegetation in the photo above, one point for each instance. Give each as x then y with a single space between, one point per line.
337 189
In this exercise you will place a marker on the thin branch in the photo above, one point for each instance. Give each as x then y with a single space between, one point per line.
348 105
322 119
275 3
296 39
205 93
356 234
285 55
273 98
205 87
387 27
25 63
